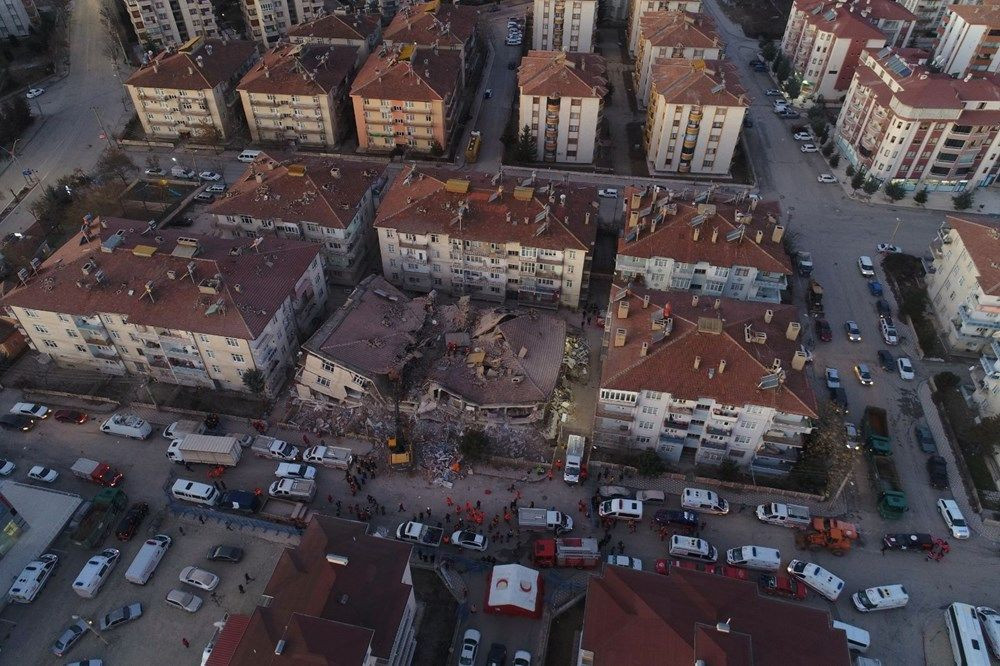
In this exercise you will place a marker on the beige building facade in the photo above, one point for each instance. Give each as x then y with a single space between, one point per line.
639 8
564 25
161 24
269 20
970 40
672 34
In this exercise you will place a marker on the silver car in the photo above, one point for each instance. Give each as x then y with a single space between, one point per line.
121 615
68 638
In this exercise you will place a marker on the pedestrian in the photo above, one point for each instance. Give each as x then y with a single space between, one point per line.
242 591
383 510
428 512
532 504
402 509
473 609
421 516
329 498
223 484
201 519
338 505
447 518
248 577
479 504
187 466
185 642
180 528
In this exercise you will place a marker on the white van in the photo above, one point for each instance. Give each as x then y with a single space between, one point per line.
754 557
126 425
858 639
248 155
576 446
692 548
706 501
879 598
32 579
147 559
192 491
621 509
95 572
817 578
300 489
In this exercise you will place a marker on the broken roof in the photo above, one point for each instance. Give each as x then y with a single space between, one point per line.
106 270
200 63
699 82
408 73
421 201
300 69
662 227
431 23
562 74
299 188
736 332
853 20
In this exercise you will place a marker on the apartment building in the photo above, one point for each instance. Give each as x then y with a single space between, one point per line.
463 232
695 115
564 25
330 201
639 8
191 91
824 38
904 124
703 380
970 40
16 18
120 298
360 30
562 101
613 10
406 97
735 252
930 16
434 25
672 34
299 93
268 21
163 24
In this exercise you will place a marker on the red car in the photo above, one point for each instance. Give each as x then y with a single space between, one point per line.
130 523
662 567
71 416
823 330
782 586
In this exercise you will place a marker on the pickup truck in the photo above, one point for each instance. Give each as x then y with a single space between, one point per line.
420 534
178 429
275 449
787 515
100 473
543 519
329 456
302 490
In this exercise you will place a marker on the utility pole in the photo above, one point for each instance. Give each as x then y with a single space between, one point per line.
100 122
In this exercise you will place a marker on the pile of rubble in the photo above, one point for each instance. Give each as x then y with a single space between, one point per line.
576 358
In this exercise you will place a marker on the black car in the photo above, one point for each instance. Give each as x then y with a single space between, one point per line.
886 360
924 438
910 541
823 330
675 518
838 396
497 655
937 470
883 308
130 523
16 422
222 553
243 501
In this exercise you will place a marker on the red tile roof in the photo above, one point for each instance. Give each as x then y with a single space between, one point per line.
668 366
330 613
558 73
845 20
681 29
982 242
673 236
300 69
405 73
421 204
921 89
220 59
357 27
429 23
987 14
254 284
229 638
636 618
300 188
700 82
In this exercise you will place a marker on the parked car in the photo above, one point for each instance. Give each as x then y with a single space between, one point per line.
70 416
889 334
16 422
832 378
608 193
522 658
295 471
937 471
155 171
924 438
216 188
222 553
209 175
40 473
826 178
687 520
31 409
853 436
823 330
497 656
470 647
908 541
882 307
886 360
808 148
953 518
852 330
887 248
625 561
35 92
772 92
864 374
183 600
802 136
205 580
130 523
904 367
990 619
866 266
206 197
789 114
488 93
6 467
68 638
469 540
120 616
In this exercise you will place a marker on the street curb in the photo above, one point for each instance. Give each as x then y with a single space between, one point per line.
36 128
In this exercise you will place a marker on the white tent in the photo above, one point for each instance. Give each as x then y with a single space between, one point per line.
514 590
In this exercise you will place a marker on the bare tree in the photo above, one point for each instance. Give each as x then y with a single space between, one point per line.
115 162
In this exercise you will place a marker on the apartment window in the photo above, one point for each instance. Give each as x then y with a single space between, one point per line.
71 333
209 353
646 425
41 329
238 358
83 349
648 409
216 369
50 344
232 342
323 381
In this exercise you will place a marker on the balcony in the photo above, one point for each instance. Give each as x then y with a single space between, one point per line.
794 422
728 415
671 440
769 467
968 317
990 364
92 337
717 431
713 446
679 409
104 352
415 243
777 453
781 439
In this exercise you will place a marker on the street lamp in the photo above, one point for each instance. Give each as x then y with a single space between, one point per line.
90 626
13 155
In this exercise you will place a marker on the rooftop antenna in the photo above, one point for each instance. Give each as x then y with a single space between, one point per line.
148 292
190 271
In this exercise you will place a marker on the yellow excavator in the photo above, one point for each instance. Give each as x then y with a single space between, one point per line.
399 449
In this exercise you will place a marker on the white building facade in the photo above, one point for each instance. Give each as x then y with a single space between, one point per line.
970 41
171 23
639 8
564 25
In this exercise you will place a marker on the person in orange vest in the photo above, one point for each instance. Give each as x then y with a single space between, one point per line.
448 501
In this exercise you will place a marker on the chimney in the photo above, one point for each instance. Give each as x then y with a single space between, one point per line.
623 309
697 362
619 337
694 300
777 234
586 218
695 234
722 366
190 70
636 200
759 236
718 303
259 177
715 234
768 316
156 66
645 301
633 218
792 332
645 348
799 360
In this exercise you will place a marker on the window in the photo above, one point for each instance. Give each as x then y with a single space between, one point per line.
50 344
323 381
238 358
41 329
646 425
71 333
216 369
209 353
232 342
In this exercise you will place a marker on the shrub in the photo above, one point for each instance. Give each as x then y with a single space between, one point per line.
650 464
962 201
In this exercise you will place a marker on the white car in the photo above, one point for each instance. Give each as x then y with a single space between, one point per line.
826 178
990 619
200 578
35 92
469 540
39 473
625 561
905 367
866 266
886 248
295 471
155 171
953 518
853 436
808 148
608 193
470 647
218 188
209 175
889 333
30 409
802 136
6 467
772 92
522 658
183 600
832 378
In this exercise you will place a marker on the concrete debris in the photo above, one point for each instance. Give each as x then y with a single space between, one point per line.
576 358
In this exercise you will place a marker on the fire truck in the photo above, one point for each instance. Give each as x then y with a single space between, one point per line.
575 552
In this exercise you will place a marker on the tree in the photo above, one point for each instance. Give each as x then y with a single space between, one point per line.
962 201
254 381
920 197
16 117
826 460
946 381
649 464
782 69
208 134
824 134
729 470
770 50
525 149
474 444
871 186
436 149
857 180
914 305
818 126
827 150
850 170
793 87
895 191
114 162
987 430
835 160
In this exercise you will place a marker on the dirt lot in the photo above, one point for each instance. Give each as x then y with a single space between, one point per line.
759 18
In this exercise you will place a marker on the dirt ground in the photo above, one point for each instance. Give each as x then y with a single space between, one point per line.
759 18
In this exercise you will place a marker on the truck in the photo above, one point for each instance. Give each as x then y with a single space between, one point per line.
804 263
100 473
829 533
420 534
579 553
275 449
814 298
543 519
103 513
178 429
284 511
875 429
329 456
206 449
576 446
891 500
303 490
787 515
475 143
